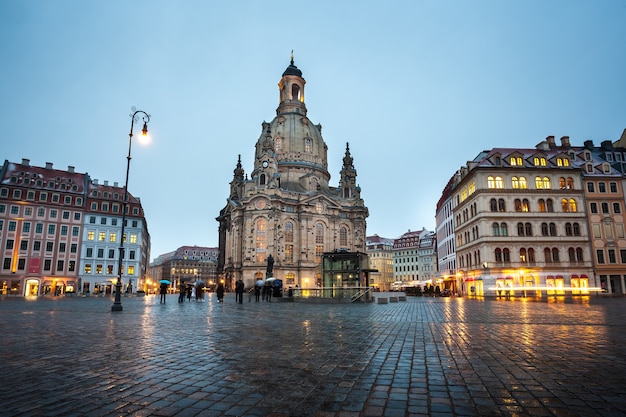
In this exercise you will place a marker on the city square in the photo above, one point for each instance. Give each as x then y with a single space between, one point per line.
427 356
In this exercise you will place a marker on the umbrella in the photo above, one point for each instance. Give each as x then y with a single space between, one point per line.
164 281
259 283
270 279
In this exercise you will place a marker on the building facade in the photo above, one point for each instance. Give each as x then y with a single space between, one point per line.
521 224
287 208
380 252
409 255
186 265
56 228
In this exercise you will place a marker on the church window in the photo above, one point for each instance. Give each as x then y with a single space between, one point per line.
288 232
343 237
262 179
308 145
260 239
319 233
288 253
278 144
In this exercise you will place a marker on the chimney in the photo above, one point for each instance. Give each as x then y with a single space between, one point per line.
606 145
48 165
115 184
551 142
106 182
588 144
25 162
565 141
70 169
95 181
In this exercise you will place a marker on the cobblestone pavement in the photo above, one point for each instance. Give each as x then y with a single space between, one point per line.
425 356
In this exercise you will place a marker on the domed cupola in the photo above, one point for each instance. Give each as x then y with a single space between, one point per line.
291 87
291 139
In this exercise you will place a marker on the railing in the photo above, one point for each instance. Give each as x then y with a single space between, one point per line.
364 292
337 293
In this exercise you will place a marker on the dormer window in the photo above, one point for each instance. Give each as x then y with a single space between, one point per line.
516 161
540 161
562 162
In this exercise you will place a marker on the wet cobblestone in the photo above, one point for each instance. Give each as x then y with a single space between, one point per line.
423 357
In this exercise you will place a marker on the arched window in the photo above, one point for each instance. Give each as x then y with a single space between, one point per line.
528 229
522 255
570 183
308 145
579 254
576 229
552 229
544 229
260 239
564 205
319 241
543 183
531 255
496 229
547 254
498 255
493 205
491 182
499 182
555 255
520 229
568 230
262 179
523 183
572 206
504 229
515 182
501 205
506 255
289 232
343 237
278 144
571 252
542 205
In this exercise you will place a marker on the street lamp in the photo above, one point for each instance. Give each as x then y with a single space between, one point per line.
117 304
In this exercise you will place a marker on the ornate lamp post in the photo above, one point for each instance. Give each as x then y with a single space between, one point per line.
117 304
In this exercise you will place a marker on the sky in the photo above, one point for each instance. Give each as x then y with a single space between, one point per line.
417 88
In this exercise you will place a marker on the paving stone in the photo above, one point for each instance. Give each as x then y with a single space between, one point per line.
426 356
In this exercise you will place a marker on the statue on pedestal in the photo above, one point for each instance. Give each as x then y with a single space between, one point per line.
270 267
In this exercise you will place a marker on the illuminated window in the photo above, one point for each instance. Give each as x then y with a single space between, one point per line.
289 253
113 237
471 188
539 161
133 238
87 268
542 183
102 236
562 162
131 270
261 228
516 161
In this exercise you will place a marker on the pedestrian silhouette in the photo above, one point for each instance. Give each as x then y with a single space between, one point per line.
220 293
239 287
163 292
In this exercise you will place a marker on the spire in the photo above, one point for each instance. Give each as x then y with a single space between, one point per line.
347 182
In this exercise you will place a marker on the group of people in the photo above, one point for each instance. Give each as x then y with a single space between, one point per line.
191 291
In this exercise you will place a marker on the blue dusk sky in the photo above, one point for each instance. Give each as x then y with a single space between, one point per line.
417 88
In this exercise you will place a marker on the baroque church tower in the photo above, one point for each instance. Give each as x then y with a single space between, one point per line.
287 207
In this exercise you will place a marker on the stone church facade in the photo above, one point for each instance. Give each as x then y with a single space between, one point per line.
286 208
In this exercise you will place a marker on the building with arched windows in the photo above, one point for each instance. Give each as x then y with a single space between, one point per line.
286 207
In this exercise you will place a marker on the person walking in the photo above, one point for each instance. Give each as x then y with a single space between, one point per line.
220 293
257 292
181 293
239 287
163 292
188 292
